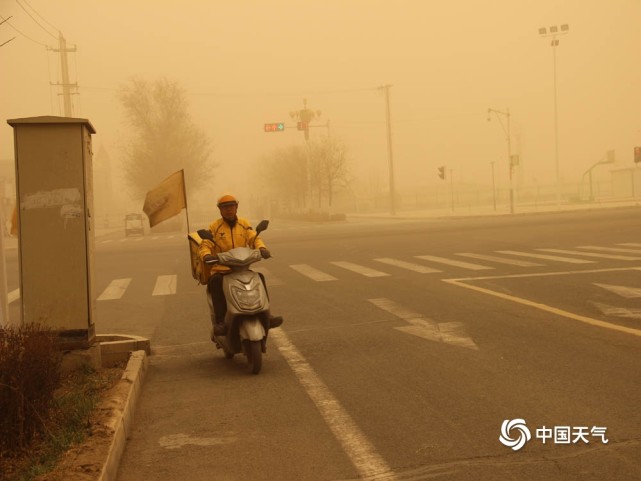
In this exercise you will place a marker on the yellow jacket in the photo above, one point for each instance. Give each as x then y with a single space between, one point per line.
227 237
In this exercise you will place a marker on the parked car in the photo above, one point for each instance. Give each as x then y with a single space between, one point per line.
134 224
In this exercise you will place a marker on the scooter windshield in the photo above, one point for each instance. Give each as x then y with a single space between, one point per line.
239 257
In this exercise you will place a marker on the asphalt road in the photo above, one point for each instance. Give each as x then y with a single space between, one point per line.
396 361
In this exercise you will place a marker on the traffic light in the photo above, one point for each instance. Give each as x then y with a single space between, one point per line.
275 127
441 172
637 155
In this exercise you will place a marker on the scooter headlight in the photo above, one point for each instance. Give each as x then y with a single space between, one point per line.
246 299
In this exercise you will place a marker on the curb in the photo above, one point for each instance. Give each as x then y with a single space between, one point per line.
123 403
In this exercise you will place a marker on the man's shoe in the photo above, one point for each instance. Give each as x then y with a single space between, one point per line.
220 329
275 321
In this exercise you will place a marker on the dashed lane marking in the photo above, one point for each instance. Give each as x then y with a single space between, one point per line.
610 249
362 270
500 260
591 254
165 285
547 257
14 295
455 263
312 273
115 289
407 265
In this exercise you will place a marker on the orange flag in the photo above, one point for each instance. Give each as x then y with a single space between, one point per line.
166 200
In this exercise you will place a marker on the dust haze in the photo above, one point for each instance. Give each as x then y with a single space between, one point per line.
246 63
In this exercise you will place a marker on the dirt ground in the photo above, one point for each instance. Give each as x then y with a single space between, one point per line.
84 462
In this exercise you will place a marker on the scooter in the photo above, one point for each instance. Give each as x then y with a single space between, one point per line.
247 318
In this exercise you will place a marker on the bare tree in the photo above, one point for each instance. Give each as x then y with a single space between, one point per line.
328 165
284 175
164 138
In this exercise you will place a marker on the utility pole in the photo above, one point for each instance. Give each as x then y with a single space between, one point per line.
510 160
64 67
389 151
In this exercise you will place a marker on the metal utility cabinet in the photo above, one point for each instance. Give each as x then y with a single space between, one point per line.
56 226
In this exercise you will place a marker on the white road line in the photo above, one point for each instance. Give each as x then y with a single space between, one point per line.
270 279
544 307
453 262
124 239
549 258
591 254
362 270
361 452
426 328
165 285
312 273
139 239
631 244
14 295
610 249
407 265
501 260
623 291
394 308
115 289
106 241
154 238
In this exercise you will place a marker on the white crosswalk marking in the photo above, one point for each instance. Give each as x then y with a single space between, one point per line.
312 273
591 254
165 285
362 270
270 279
500 260
453 262
547 257
610 249
115 289
407 265
14 295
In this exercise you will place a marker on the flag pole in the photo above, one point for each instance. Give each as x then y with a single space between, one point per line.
185 196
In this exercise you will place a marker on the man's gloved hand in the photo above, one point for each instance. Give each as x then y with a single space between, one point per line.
210 259
265 254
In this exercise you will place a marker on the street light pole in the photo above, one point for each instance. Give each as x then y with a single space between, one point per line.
389 151
554 32
509 149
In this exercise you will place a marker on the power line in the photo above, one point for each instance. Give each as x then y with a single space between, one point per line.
44 19
21 33
32 18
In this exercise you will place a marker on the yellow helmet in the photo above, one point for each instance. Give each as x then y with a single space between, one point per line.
227 199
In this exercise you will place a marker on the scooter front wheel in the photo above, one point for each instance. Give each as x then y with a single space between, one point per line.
254 356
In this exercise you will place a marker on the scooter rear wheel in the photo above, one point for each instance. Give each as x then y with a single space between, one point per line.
255 356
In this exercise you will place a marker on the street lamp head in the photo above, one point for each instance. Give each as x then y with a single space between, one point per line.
542 31
554 29
565 27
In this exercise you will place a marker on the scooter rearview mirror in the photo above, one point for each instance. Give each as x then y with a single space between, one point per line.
262 225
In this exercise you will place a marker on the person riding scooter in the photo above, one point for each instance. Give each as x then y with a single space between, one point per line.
228 232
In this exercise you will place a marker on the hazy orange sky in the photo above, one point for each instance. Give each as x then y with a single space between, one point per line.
244 63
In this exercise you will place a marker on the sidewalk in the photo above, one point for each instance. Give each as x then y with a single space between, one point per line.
489 211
